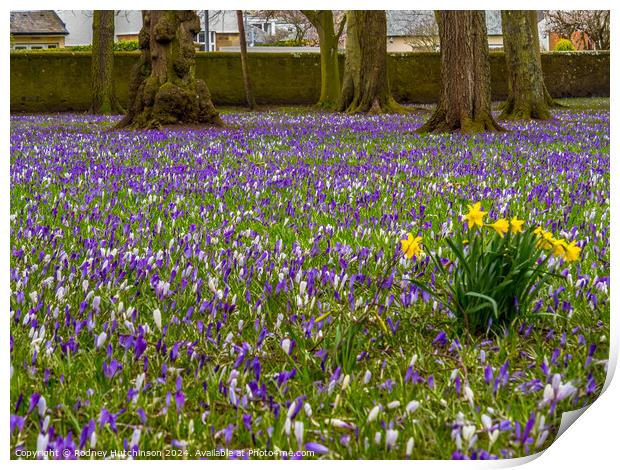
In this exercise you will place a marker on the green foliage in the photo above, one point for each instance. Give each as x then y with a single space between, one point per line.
126 46
288 43
120 46
491 280
564 45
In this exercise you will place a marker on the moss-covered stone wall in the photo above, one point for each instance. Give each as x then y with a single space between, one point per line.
60 81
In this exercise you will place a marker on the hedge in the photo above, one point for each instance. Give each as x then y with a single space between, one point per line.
60 81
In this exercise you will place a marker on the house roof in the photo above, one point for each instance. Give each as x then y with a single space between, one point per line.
41 22
403 22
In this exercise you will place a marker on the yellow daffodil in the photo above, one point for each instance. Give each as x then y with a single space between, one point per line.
546 239
500 226
516 225
411 246
474 216
572 252
559 247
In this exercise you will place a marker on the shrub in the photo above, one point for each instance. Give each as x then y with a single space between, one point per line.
126 46
564 45
493 277
287 43
120 46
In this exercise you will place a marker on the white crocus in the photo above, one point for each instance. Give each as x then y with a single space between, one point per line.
299 432
409 449
391 435
412 406
157 318
101 339
372 415
286 345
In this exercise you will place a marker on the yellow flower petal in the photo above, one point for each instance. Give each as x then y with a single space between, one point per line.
572 252
500 226
475 215
516 225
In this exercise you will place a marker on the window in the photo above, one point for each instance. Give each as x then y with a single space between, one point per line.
22 47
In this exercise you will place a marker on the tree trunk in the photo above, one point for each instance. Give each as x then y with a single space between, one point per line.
323 22
103 100
365 86
534 24
465 93
526 87
247 83
163 89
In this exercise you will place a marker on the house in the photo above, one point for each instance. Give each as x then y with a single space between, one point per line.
581 41
223 31
41 29
416 30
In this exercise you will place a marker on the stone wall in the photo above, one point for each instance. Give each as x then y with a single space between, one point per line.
54 81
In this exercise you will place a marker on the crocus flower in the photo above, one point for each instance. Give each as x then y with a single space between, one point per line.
391 435
316 448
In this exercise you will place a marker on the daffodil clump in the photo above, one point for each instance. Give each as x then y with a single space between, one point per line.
559 247
494 275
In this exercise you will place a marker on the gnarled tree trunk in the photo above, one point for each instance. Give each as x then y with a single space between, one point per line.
323 22
465 94
243 48
163 89
365 86
103 99
526 86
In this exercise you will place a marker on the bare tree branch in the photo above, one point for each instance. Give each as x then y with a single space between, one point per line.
593 26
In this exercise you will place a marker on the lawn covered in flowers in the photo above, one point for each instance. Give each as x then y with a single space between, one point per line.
263 286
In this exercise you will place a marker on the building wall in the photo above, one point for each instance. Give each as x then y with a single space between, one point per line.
34 42
402 43
127 37
579 40
55 81
226 40
398 44
495 42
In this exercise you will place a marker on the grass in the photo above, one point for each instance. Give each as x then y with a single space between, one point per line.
236 220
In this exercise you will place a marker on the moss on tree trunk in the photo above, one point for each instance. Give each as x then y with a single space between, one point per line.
323 22
526 87
534 25
163 89
103 99
465 93
365 86
243 48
